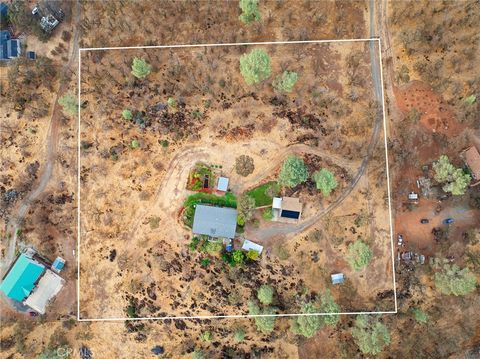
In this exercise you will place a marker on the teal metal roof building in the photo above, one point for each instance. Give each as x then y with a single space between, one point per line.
21 278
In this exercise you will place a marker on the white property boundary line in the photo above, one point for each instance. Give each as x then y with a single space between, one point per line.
218 45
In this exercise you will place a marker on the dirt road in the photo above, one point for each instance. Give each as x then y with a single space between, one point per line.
52 143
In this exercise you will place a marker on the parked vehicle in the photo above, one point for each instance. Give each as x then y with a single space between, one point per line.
424 221
419 258
407 256
400 240
448 221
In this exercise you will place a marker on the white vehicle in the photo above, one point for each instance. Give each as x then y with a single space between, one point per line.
400 240
35 11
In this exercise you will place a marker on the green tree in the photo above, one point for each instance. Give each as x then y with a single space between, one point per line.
370 335
325 181
293 172
140 68
359 255
265 294
69 104
285 81
245 207
454 180
250 11
307 325
263 324
255 66
239 335
328 305
127 114
452 280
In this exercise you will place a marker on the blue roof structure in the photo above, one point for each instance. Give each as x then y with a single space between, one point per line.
31 55
3 10
338 278
21 278
58 264
222 184
9 48
290 214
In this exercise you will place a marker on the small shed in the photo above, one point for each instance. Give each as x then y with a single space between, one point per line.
58 264
31 55
222 184
338 278
249 245
412 196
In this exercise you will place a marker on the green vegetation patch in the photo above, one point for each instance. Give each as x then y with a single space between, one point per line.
263 194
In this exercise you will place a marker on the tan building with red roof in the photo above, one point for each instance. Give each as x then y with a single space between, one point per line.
471 157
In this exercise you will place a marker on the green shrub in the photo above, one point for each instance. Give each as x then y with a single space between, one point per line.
193 245
293 172
252 255
359 255
285 81
268 214
250 11
419 315
265 294
206 336
172 102
255 66
140 68
198 354
127 114
238 256
239 335
205 262
135 144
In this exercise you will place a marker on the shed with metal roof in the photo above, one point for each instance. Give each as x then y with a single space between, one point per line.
338 278
219 222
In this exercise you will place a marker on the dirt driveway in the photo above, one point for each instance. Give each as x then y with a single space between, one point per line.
419 236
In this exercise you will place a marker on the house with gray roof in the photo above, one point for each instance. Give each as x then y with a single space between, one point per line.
218 222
